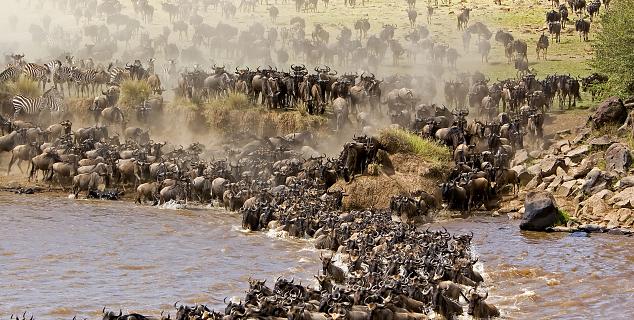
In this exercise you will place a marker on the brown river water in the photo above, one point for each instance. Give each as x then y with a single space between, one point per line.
62 257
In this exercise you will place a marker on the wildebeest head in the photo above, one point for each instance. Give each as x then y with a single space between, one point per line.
110 315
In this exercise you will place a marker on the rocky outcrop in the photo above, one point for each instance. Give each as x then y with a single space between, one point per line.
612 111
540 211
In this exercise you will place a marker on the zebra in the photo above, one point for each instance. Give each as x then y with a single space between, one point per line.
170 71
51 100
10 74
41 73
63 75
116 74
150 67
83 78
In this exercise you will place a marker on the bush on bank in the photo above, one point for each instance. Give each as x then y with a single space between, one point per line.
402 141
133 93
613 48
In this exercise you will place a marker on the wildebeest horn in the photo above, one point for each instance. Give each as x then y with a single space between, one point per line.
120 313
175 307
103 310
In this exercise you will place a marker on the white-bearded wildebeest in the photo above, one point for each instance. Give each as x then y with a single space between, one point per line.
542 46
583 27
463 18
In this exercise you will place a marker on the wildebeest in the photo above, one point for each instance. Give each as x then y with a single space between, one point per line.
480 309
583 27
463 18
411 15
331 270
86 182
23 152
554 28
484 47
592 82
542 46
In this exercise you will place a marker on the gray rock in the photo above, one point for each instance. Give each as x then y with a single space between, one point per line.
618 158
565 148
566 188
555 184
582 135
535 154
623 199
590 227
550 164
523 174
626 182
520 157
599 187
560 172
610 111
540 211
584 167
535 170
534 183
577 153
601 142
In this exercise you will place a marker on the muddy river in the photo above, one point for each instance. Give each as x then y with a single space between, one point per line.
61 257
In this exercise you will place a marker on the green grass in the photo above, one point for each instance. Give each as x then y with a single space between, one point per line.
562 218
401 141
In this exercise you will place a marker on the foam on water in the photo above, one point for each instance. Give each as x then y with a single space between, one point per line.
173 205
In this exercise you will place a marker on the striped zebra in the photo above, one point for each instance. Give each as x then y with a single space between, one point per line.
12 73
63 75
41 73
117 74
51 100
84 78
170 71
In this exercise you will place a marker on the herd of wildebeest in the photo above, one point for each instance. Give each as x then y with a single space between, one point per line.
380 266
283 182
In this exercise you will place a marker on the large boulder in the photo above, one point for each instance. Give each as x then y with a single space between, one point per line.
618 158
610 111
540 211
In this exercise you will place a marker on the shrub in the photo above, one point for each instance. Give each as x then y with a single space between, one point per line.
401 141
613 48
133 93
562 218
